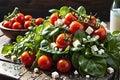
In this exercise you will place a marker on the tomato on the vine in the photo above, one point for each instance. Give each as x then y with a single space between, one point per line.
63 40
7 24
17 25
27 24
92 21
64 65
12 20
38 21
45 62
28 17
69 18
74 26
27 58
20 18
101 32
54 18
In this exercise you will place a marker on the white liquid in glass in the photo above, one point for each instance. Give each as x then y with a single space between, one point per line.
114 20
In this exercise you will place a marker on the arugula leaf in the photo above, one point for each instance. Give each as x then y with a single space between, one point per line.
95 66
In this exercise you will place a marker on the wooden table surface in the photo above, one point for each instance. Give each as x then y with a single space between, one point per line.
12 71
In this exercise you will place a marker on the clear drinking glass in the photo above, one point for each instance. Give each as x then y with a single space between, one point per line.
115 16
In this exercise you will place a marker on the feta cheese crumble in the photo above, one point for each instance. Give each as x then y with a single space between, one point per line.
110 70
75 72
76 43
55 74
36 70
13 58
94 48
89 30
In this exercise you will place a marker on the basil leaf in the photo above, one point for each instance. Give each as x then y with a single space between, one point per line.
116 33
81 10
53 10
7 48
75 57
63 11
95 66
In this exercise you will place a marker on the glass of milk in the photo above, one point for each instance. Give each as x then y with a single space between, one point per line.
114 19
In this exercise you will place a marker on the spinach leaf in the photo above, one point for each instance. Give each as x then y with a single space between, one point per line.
63 11
95 66
80 34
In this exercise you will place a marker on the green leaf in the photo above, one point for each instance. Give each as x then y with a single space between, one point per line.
116 33
75 57
63 11
80 34
95 66
7 48
81 10
53 10
18 39
93 39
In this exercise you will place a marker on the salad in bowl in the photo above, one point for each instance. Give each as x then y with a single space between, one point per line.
68 39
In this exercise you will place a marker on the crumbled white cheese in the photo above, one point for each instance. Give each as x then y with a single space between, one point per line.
101 51
103 24
56 48
53 45
75 72
83 45
94 48
102 45
89 30
88 37
84 39
110 70
76 43
58 22
87 76
60 49
36 70
55 74
13 58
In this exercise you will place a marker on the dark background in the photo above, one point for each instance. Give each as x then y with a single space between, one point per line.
39 8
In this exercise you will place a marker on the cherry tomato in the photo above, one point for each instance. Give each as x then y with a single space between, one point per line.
74 26
27 58
28 17
27 24
12 20
7 24
63 40
45 62
20 18
54 18
69 18
38 21
63 65
17 25
92 21
101 32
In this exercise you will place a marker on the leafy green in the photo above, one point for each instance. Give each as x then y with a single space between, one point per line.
7 48
95 66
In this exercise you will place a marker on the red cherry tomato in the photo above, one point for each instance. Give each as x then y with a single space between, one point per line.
54 18
20 18
69 18
27 58
28 17
38 21
63 40
7 24
92 21
27 24
101 32
63 65
12 20
17 25
45 62
74 26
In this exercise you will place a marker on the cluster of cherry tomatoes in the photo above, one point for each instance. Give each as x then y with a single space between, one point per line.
44 62
21 21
